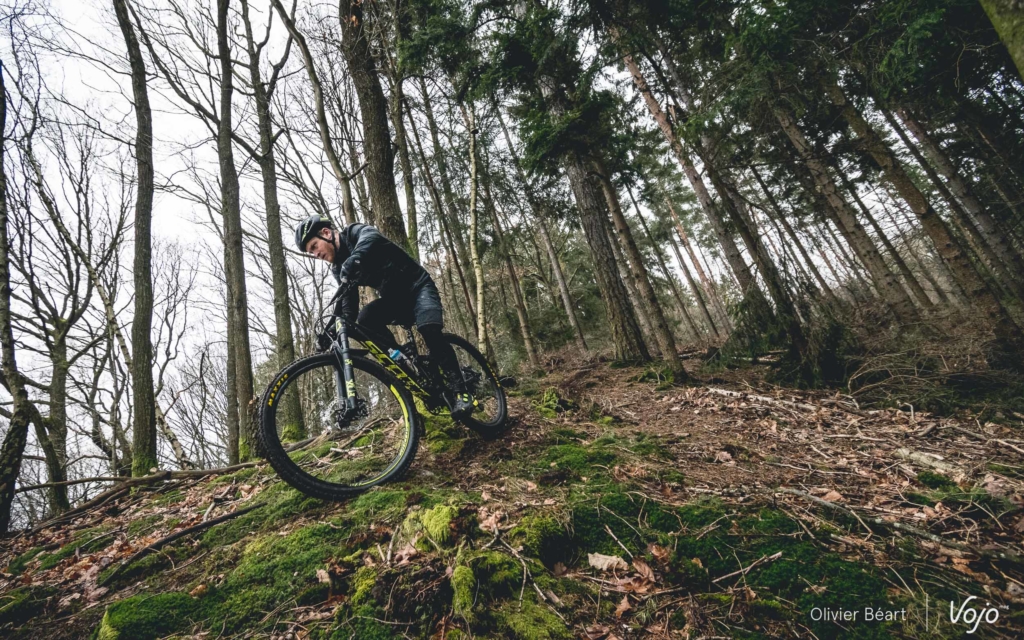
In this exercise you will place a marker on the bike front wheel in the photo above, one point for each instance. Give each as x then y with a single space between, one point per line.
490 409
322 447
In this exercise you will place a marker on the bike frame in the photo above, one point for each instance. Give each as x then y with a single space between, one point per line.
345 375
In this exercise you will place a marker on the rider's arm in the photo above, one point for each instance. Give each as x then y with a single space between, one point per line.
363 238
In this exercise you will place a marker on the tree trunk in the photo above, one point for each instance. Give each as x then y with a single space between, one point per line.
683 311
144 422
404 161
296 428
792 234
542 227
1007 17
1009 339
1012 265
732 253
625 330
234 256
446 234
380 160
846 220
13 448
659 326
908 276
474 246
709 291
517 290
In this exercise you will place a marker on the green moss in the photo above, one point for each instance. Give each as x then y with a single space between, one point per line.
531 621
171 497
145 617
551 404
771 609
18 564
577 458
935 480
498 575
361 585
87 541
563 433
19 605
542 537
436 522
442 435
140 524
463 590
274 569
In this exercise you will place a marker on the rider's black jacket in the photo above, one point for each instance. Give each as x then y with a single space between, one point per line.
383 265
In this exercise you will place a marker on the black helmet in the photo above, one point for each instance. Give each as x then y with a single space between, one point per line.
309 227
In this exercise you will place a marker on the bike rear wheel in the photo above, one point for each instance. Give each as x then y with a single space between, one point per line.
490 408
339 453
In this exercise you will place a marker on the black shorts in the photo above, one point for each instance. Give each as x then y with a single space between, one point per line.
421 307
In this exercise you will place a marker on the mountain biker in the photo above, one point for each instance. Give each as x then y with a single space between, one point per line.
361 255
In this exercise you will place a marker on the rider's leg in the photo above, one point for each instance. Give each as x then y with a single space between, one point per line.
428 314
374 319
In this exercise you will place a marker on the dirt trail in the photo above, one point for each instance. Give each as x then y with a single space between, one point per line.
615 507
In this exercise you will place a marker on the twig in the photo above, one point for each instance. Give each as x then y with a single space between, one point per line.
174 536
614 537
743 572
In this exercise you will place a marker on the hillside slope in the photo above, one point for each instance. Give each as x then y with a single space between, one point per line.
617 506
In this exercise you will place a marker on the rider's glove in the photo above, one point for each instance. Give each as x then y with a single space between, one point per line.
351 269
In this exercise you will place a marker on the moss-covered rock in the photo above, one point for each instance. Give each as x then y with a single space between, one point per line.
145 617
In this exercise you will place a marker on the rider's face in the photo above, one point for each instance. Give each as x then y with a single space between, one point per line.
322 246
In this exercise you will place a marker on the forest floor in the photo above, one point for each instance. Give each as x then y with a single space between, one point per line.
617 506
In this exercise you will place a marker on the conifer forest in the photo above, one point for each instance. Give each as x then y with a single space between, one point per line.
746 277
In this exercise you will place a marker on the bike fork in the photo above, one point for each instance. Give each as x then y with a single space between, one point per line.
344 376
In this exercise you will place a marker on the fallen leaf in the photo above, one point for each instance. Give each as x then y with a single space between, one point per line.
659 552
323 577
200 590
606 563
559 570
531 486
623 607
643 569
723 456
489 521
597 631
833 496
404 554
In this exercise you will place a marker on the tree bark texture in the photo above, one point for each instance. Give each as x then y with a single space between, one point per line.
1007 17
234 254
143 400
296 428
380 160
659 326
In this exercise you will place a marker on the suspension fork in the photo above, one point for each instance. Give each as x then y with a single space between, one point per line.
344 376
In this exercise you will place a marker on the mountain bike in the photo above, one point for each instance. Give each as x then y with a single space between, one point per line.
345 419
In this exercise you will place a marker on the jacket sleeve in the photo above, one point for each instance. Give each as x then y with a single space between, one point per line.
363 238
